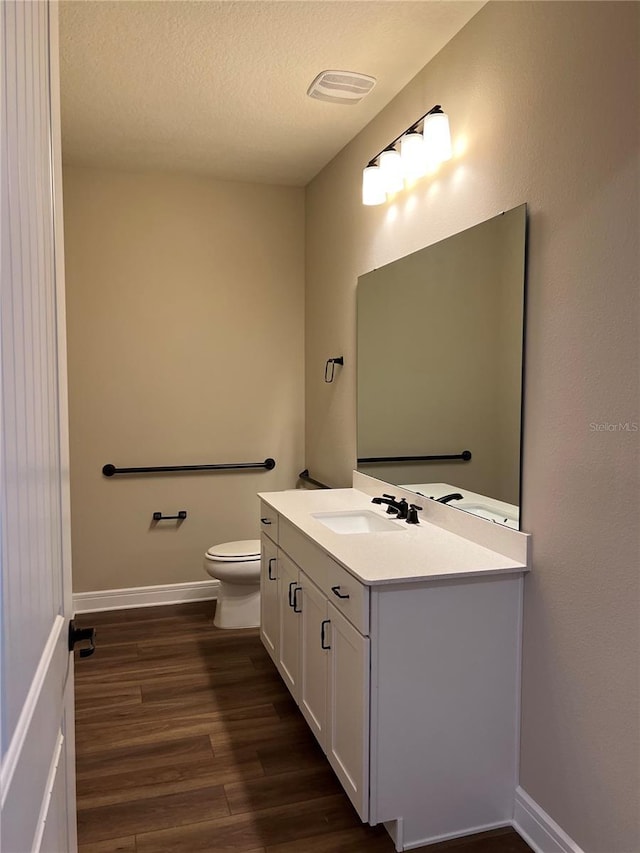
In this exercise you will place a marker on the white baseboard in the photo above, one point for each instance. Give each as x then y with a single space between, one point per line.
538 829
144 596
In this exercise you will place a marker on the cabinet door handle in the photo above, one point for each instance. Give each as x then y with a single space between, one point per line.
336 591
265 520
322 626
295 600
291 585
271 561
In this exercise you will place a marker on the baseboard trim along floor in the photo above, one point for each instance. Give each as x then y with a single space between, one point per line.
538 829
144 596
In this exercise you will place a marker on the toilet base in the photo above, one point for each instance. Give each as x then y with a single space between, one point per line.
238 606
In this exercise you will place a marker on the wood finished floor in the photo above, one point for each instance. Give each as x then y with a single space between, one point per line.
188 742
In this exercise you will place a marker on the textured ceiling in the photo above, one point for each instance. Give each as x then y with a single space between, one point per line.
218 87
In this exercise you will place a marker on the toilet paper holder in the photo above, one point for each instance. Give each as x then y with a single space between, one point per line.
182 514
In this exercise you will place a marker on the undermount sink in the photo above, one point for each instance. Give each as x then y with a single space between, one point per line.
490 513
356 521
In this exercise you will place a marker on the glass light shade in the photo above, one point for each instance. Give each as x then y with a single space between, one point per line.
392 171
437 137
373 191
413 154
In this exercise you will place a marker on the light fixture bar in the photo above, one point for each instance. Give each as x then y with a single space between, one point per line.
420 153
412 127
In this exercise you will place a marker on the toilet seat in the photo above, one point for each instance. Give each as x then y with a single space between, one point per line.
244 551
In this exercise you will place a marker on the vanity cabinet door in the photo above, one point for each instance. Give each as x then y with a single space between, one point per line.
314 652
347 742
289 595
269 611
269 521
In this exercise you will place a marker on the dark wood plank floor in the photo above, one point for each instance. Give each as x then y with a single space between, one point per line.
188 742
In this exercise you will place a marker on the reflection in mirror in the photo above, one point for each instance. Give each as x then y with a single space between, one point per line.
440 337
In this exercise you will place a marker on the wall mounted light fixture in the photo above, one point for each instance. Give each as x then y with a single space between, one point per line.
421 150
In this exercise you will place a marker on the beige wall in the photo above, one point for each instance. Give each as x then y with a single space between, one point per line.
185 327
546 96
511 305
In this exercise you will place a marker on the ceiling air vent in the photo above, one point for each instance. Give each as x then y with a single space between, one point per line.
341 87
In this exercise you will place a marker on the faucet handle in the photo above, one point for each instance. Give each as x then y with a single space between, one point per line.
402 508
391 497
412 517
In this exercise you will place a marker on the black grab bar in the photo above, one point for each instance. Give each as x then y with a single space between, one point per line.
304 475
465 456
110 470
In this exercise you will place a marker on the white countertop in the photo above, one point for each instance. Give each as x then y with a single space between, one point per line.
414 553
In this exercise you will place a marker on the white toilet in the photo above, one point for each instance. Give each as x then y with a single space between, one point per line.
236 565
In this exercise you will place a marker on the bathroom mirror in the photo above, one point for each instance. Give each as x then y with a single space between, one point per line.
440 343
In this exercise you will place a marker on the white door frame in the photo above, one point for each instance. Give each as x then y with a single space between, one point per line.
37 770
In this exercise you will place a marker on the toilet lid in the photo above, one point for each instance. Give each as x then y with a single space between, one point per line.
235 552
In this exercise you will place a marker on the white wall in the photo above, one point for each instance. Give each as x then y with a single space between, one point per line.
545 99
185 328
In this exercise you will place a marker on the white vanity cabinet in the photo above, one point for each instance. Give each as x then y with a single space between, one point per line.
334 690
347 733
314 658
322 658
269 608
289 604
410 684
280 608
